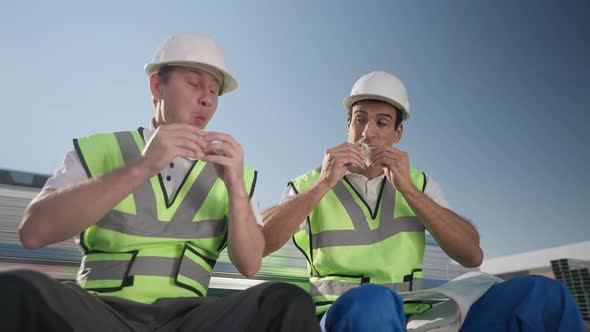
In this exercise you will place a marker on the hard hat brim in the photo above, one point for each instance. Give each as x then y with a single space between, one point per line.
228 82
349 101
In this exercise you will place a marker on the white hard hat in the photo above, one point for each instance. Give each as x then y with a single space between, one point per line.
382 86
195 50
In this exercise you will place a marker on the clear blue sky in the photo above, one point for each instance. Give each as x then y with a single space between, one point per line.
499 92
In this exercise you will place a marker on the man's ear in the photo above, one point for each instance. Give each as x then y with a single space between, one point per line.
398 133
155 86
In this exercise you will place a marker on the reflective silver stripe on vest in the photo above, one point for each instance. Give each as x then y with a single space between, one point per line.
334 287
144 197
417 283
362 234
145 266
146 223
355 212
194 271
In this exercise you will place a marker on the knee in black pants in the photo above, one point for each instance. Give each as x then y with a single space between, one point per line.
22 304
19 284
285 295
284 307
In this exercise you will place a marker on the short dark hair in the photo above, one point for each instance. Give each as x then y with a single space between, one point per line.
398 113
164 73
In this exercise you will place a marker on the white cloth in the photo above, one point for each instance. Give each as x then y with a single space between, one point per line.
369 190
456 297
72 172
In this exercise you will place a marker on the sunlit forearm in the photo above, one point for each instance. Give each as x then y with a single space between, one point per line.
456 236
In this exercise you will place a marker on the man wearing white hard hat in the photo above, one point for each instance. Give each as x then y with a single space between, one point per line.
152 209
360 220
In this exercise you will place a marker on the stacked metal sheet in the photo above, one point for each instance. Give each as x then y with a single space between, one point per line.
438 267
60 260
576 276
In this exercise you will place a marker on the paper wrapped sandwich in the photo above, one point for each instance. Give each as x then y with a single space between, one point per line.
366 152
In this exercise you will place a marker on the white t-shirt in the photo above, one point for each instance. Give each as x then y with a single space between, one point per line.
369 190
72 172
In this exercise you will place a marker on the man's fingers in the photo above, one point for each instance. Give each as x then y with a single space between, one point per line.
385 154
353 148
217 159
216 136
351 161
389 150
186 153
186 136
347 159
220 149
195 149
383 161
348 155
180 138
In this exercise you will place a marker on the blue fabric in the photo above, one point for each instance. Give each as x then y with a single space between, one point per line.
529 303
367 308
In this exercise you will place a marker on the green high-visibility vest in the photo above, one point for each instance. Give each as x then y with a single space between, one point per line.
148 246
347 244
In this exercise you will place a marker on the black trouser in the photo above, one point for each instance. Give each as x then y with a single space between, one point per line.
32 301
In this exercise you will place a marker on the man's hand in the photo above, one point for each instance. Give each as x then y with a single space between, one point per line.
245 241
338 160
171 141
396 165
227 154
